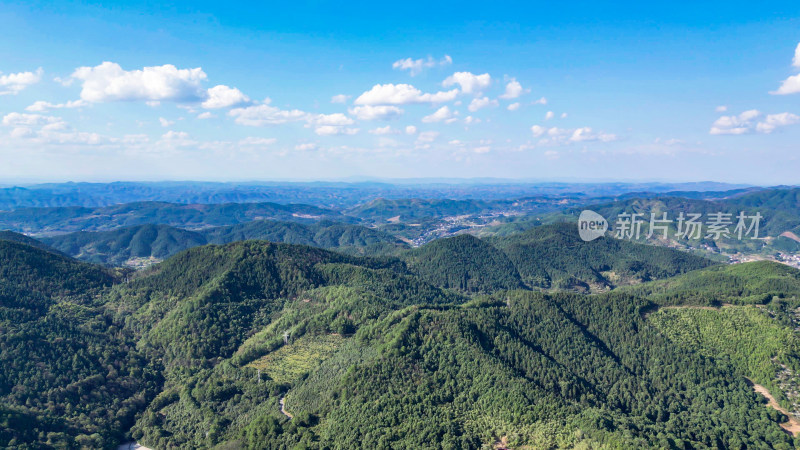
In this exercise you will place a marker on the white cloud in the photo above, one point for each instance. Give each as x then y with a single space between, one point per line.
721 108
222 96
513 90
469 120
416 66
469 82
50 130
384 131
555 135
265 114
164 122
442 114
306 146
513 106
740 124
549 115
206 115
109 82
790 85
411 129
563 115
401 94
369 112
21 119
586 134
541 101
336 119
482 149
427 136
752 121
482 102
257 141
42 106
332 130
796 60
341 98
13 83
773 121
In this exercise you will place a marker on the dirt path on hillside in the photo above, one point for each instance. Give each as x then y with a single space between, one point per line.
283 408
791 236
793 425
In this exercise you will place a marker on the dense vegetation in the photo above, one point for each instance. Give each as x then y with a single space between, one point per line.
74 218
70 375
554 256
127 244
202 349
464 263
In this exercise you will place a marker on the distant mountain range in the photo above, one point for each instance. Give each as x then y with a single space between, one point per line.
324 194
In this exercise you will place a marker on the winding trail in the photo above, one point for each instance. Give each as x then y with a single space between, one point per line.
793 425
283 408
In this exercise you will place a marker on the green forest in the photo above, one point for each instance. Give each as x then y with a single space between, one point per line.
530 340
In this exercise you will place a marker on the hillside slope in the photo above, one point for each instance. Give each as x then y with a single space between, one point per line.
554 257
126 245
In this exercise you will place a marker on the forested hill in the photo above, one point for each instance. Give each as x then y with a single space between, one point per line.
64 219
199 351
554 257
7 235
69 373
464 263
128 245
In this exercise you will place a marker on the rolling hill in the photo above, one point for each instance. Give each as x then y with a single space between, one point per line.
128 245
212 346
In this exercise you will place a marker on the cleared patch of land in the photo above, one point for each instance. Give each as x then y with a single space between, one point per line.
792 425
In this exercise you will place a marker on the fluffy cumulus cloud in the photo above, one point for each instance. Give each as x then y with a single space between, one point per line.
40 129
341 98
222 96
443 114
13 83
752 121
513 90
369 112
402 94
796 59
266 114
336 119
331 130
555 135
42 106
110 82
382 131
416 66
468 81
513 106
791 85
411 129
480 103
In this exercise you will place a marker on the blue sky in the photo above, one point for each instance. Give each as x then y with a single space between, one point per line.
316 90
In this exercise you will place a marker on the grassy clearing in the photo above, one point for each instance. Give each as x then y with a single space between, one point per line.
299 357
